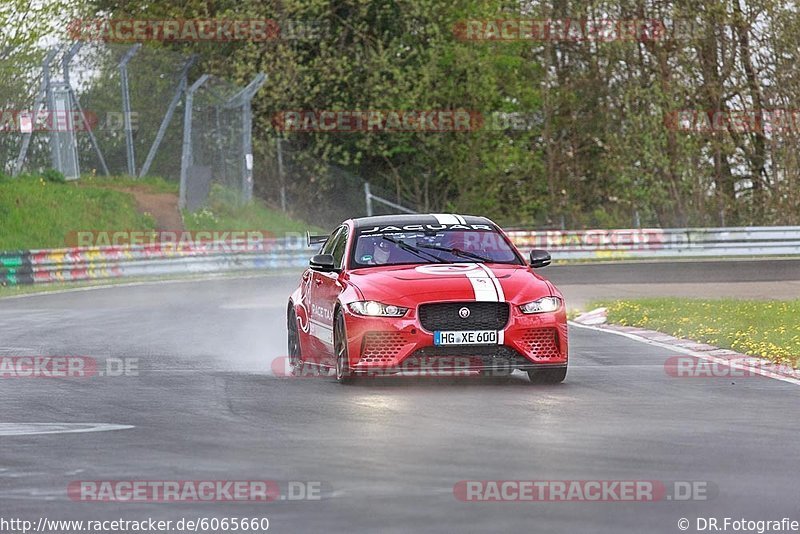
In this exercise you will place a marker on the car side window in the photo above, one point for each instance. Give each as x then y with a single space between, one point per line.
335 246
339 245
327 248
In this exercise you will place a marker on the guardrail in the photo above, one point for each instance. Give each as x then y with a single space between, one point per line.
97 263
662 243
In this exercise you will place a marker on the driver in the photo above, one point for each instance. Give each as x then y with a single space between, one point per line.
381 253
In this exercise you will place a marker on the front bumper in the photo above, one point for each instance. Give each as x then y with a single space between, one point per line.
391 344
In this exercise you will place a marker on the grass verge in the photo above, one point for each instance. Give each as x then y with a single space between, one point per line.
225 213
768 329
39 213
151 184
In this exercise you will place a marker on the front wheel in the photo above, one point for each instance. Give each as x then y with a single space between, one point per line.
293 338
547 376
343 373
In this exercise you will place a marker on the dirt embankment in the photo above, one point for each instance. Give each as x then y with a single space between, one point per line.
162 206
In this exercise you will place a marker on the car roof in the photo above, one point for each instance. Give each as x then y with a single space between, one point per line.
418 218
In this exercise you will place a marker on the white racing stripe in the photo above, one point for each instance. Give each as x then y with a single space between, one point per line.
485 290
501 297
445 218
485 283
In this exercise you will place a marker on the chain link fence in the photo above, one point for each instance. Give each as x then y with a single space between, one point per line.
20 80
134 94
144 111
92 108
121 109
218 152
335 194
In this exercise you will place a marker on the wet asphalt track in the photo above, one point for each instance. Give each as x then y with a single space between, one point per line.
206 406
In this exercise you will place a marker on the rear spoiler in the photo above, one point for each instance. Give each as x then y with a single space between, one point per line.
312 240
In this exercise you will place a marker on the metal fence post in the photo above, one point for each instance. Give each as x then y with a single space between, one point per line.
242 99
370 197
162 129
37 107
247 148
186 156
126 107
281 175
63 142
65 65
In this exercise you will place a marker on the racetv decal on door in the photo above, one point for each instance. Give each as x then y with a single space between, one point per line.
306 321
322 312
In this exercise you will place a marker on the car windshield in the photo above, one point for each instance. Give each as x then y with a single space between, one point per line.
442 246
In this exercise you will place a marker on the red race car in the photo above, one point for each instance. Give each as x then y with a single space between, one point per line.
426 294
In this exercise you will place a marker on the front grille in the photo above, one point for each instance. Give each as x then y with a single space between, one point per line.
541 343
383 346
482 316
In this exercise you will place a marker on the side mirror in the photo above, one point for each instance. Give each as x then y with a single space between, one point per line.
323 263
539 258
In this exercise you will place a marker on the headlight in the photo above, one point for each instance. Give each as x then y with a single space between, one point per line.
543 305
376 309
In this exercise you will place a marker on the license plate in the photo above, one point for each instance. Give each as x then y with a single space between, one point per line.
465 337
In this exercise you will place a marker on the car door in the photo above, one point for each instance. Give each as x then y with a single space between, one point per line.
326 289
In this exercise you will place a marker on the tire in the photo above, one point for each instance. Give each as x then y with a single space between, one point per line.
293 344
547 376
343 374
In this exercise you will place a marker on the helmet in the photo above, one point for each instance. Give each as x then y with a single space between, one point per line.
381 253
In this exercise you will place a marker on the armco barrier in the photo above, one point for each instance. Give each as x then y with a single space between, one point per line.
662 243
95 263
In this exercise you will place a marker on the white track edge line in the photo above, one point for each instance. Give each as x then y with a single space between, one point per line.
688 352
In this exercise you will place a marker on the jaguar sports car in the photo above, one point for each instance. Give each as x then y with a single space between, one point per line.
426 294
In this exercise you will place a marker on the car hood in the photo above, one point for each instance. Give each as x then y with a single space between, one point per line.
408 285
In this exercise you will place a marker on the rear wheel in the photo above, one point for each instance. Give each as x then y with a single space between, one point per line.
547 376
343 373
